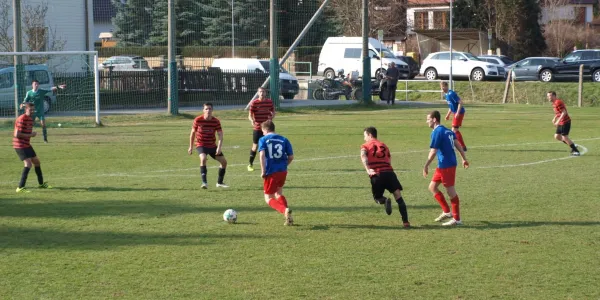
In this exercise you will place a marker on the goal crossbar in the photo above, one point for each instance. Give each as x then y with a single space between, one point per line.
94 54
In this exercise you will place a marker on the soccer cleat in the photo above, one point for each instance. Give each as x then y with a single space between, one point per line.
406 225
204 186
222 185
380 200
45 185
452 222
289 220
23 190
575 153
465 148
250 168
443 217
388 206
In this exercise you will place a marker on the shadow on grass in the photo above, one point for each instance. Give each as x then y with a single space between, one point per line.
41 238
108 189
565 151
475 225
153 208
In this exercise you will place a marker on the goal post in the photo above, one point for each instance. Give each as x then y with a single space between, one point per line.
78 70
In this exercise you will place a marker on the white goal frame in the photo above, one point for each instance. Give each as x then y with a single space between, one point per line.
96 72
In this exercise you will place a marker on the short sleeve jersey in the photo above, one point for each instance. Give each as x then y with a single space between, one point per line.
37 98
262 110
206 130
23 124
453 99
378 156
442 139
558 107
277 149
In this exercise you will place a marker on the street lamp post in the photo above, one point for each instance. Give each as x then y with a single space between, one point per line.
232 33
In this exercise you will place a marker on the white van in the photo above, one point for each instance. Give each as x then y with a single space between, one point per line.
7 86
346 53
288 84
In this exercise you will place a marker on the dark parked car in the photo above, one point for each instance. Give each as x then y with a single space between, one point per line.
529 68
413 66
568 67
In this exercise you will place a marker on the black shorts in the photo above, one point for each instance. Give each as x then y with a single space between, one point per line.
256 135
563 129
25 153
384 181
209 151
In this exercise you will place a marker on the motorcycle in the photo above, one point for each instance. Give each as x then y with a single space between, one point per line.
378 87
332 89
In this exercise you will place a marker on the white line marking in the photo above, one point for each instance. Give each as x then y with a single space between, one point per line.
141 174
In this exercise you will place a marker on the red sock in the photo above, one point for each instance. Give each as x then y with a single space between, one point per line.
442 201
460 139
276 205
282 200
455 208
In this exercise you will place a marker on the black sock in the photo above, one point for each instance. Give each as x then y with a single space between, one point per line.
252 156
45 133
24 177
573 147
403 211
203 173
221 175
38 172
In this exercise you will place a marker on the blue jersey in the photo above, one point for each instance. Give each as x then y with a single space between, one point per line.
277 149
453 99
442 139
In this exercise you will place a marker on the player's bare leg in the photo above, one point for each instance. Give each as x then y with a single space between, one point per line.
565 139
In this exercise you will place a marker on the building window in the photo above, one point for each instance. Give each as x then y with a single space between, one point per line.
440 19
421 20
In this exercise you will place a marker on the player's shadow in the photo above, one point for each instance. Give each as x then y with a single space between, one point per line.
19 237
477 225
109 189
526 150
487 225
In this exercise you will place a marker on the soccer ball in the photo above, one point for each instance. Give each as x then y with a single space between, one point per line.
230 216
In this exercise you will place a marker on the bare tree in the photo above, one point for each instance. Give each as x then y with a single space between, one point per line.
390 16
560 32
6 40
37 36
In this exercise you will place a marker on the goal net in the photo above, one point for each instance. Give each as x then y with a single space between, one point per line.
76 70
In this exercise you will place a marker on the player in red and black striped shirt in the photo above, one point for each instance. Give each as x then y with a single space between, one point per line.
21 143
261 109
562 122
377 160
204 129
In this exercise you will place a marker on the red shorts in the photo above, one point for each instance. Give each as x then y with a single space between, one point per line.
457 120
273 182
446 176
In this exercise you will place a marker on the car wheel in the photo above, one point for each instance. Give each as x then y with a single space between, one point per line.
546 75
431 74
357 94
329 74
477 74
596 76
47 104
288 96
318 94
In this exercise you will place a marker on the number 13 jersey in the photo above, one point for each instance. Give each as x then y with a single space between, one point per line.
378 156
277 148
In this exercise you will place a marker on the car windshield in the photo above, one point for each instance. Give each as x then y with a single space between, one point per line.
471 56
387 53
506 60
142 63
267 66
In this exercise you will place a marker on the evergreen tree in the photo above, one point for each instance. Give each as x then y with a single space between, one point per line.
530 41
133 22
464 12
251 22
188 23
216 22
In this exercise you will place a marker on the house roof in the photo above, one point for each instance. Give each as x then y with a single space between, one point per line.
103 10
457 33
417 3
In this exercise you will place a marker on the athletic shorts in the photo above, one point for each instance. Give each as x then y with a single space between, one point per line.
208 151
447 176
256 135
564 129
25 153
457 120
274 181
384 181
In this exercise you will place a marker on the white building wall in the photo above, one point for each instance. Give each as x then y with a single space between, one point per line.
566 13
410 15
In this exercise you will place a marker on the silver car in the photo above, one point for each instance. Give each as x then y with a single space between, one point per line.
125 63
